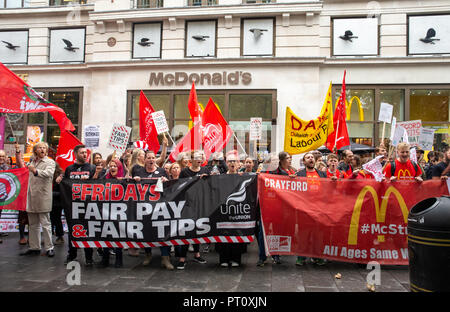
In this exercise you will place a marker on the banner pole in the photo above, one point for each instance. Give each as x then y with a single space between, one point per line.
238 142
382 136
170 137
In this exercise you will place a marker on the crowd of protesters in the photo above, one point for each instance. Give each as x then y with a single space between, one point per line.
44 207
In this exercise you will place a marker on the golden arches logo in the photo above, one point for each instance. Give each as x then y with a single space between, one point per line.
403 173
348 106
380 211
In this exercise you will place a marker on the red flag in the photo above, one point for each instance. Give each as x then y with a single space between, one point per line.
18 97
190 142
339 137
14 188
147 129
64 155
194 109
216 132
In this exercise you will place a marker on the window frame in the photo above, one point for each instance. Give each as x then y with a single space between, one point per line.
274 37
186 38
354 55
133 38
28 42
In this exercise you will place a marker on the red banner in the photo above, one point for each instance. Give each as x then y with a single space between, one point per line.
13 189
349 220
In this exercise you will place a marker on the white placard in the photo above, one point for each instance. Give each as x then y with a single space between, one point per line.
386 112
413 154
393 126
413 128
255 128
426 139
399 134
118 140
374 166
160 122
159 186
92 136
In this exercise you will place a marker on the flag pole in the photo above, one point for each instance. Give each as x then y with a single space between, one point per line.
238 142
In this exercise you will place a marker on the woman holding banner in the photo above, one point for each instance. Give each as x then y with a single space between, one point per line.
152 171
115 171
230 253
194 170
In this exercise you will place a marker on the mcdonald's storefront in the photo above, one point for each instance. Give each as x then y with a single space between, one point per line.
242 91
428 103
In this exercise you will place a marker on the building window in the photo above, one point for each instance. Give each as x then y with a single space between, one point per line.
201 2
14 4
257 1
430 104
66 2
25 125
148 3
236 107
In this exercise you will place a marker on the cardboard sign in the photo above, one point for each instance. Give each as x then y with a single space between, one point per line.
413 128
385 112
255 128
160 122
426 139
92 136
374 166
118 140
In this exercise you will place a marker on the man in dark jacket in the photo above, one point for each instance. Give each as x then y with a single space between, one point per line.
310 171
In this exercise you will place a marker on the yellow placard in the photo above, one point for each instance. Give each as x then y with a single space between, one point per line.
305 135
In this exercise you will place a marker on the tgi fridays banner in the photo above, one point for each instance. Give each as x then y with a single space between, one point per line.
117 213
350 221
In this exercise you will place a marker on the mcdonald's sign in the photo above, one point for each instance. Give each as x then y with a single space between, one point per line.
380 211
348 107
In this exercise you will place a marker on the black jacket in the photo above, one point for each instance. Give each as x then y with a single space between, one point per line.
302 173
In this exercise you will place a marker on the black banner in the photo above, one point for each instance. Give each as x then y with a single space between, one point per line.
114 213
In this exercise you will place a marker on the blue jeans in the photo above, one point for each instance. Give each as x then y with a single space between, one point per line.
260 239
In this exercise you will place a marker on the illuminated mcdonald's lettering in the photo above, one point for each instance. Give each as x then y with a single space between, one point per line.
348 106
380 212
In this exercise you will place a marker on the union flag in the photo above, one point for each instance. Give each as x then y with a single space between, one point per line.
18 97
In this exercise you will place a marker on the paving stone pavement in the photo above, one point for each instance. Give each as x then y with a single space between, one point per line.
43 274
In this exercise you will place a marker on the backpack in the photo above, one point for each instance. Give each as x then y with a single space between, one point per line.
393 167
